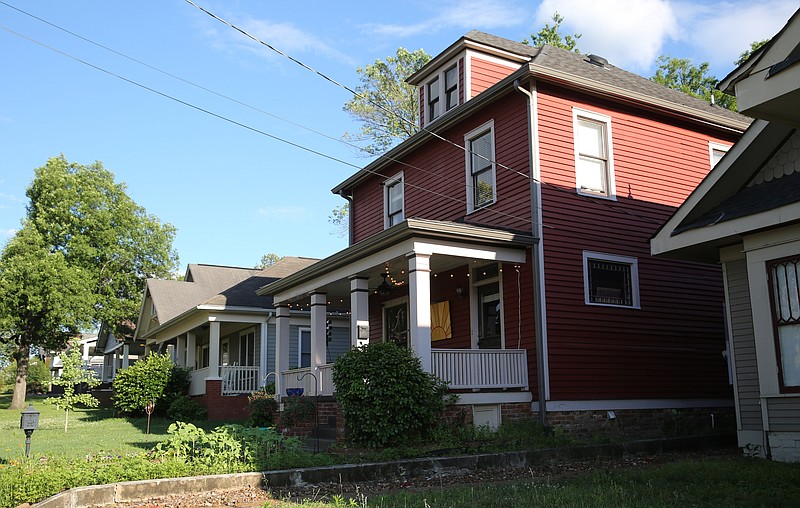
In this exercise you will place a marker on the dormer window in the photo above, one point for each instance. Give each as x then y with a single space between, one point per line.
442 93
433 100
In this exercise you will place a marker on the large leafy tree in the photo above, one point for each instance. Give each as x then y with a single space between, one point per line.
754 46
83 256
268 260
385 104
550 34
681 74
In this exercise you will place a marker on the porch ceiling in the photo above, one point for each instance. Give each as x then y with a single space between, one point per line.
449 244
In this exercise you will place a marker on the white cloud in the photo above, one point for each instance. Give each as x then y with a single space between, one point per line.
285 214
8 232
629 33
468 14
720 32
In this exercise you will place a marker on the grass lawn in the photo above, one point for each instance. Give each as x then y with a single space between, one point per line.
91 431
709 482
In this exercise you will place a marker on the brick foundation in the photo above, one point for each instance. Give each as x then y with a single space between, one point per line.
641 423
223 407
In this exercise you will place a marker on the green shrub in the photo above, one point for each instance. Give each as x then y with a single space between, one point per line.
185 408
142 382
297 410
385 395
177 386
38 380
262 406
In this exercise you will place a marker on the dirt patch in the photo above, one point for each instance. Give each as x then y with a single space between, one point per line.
256 497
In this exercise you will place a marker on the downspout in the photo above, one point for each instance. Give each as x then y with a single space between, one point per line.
537 256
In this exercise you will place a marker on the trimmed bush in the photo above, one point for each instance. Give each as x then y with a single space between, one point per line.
186 409
385 395
142 382
262 406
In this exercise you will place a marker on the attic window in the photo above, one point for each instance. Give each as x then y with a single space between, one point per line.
442 92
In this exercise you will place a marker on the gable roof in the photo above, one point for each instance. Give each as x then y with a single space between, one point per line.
566 69
217 286
755 186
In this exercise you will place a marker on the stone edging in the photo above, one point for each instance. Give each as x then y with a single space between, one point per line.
81 497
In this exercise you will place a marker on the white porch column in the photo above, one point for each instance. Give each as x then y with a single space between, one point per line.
191 350
359 306
126 350
262 358
319 344
281 345
213 351
419 307
181 351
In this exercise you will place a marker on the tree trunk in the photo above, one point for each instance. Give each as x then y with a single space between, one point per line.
21 384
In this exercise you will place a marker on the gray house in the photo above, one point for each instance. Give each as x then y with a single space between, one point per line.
213 323
746 216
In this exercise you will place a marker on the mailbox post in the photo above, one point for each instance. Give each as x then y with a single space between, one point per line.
29 421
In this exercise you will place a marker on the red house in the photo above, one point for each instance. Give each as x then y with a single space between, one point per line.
507 244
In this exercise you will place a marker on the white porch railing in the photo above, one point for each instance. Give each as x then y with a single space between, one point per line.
481 368
290 379
197 386
239 379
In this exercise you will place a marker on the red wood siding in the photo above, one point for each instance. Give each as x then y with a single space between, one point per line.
519 326
422 118
671 347
485 73
461 94
435 177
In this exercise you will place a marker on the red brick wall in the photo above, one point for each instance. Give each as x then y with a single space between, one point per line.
223 407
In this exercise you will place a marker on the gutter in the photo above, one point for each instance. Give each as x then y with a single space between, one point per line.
537 251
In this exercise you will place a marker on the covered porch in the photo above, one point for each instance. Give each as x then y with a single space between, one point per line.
451 292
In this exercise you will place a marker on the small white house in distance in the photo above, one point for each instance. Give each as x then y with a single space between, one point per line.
746 215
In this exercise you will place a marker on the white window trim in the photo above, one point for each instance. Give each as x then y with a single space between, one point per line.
634 264
442 95
300 344
712 145
474 312
244 333
398 178
468 158
606 120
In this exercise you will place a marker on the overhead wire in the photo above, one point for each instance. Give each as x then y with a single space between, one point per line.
254 108
602 202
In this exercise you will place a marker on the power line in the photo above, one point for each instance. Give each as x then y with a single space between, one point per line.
324 76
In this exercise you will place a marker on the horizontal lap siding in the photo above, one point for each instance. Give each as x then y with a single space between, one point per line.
784 414
485 73
435 176
744 346
520 333
672 346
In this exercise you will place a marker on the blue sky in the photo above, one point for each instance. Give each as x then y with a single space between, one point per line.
234 194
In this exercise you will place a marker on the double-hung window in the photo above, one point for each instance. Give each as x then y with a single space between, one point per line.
481 184
433 99
610 280
784 279
441 93
594 166
393 201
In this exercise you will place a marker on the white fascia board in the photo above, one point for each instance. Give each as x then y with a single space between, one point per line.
455 249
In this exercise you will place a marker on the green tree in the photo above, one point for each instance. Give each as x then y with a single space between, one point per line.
44 301
268 260
340 218
145 381
73 377
754 46
551 35
681 74
386 105
82 257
